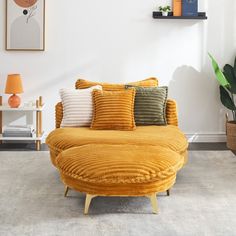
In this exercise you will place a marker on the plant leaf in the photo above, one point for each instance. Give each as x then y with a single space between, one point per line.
219 74
226 99
230 76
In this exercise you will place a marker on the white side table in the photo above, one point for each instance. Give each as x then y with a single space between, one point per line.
38 109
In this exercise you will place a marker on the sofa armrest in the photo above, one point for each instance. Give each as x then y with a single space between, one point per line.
58 114
171 112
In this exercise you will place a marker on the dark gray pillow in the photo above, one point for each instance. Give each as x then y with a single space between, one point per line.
150 105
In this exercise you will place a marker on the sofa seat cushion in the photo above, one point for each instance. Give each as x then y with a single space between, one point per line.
119 169
164 136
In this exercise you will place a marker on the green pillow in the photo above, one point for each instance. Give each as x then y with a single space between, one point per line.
150 105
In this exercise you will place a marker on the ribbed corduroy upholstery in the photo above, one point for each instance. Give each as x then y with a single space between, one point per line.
82 84
113 110
150 105
125 170
169 137
171 112
58 114
77 106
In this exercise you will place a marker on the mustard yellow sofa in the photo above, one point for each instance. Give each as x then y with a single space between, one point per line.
91 161
170 136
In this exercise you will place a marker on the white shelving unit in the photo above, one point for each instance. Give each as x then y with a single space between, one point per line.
38 109
21 108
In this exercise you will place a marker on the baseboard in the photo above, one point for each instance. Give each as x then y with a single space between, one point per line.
206 138
196 138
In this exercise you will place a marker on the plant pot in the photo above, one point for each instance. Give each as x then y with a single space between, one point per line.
231 135
165 13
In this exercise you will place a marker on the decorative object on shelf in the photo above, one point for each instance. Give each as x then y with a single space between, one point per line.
165 10
227 81
14 86
189 7
25 25
23 133
177 7
158 15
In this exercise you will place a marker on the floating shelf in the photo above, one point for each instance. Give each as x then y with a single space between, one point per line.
158 15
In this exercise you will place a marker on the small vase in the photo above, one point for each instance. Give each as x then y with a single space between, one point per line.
165 13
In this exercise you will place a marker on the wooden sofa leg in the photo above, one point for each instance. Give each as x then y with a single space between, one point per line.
153 199
66 191
168 192
88 200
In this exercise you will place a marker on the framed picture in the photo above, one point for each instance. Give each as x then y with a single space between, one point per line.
25 25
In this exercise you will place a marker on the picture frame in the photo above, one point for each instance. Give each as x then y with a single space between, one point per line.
25 25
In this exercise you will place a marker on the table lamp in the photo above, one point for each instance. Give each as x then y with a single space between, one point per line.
14 86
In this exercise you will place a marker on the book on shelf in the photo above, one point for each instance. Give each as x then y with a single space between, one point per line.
177 7
190 7
18 128
18 131
17 134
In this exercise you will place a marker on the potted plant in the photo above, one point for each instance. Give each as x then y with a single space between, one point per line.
164 10
227 81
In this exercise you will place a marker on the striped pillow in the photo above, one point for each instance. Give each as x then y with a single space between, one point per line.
150 105
77 106
114 110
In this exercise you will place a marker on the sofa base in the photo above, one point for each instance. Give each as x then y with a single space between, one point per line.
89 197
129 190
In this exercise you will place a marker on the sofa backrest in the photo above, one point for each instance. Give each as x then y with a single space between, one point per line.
149 82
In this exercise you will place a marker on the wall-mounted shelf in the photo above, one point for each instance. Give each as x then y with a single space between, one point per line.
158 15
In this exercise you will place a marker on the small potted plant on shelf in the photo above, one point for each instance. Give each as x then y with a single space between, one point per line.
227 81
165 10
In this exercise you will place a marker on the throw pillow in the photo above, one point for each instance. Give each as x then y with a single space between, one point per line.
77 106
150 82
114 110
150 105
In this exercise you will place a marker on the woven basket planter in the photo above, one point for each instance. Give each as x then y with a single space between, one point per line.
231 135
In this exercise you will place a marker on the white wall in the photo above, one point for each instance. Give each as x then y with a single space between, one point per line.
118 41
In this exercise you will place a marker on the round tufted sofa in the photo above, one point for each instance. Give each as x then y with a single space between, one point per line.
148 151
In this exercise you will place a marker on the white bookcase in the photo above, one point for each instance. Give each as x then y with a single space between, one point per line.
37 109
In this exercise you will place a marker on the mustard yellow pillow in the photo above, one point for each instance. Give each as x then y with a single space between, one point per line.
82 84
113 110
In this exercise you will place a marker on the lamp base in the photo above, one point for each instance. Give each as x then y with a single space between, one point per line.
14 101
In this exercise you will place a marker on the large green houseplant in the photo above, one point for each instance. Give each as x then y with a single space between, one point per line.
227 81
